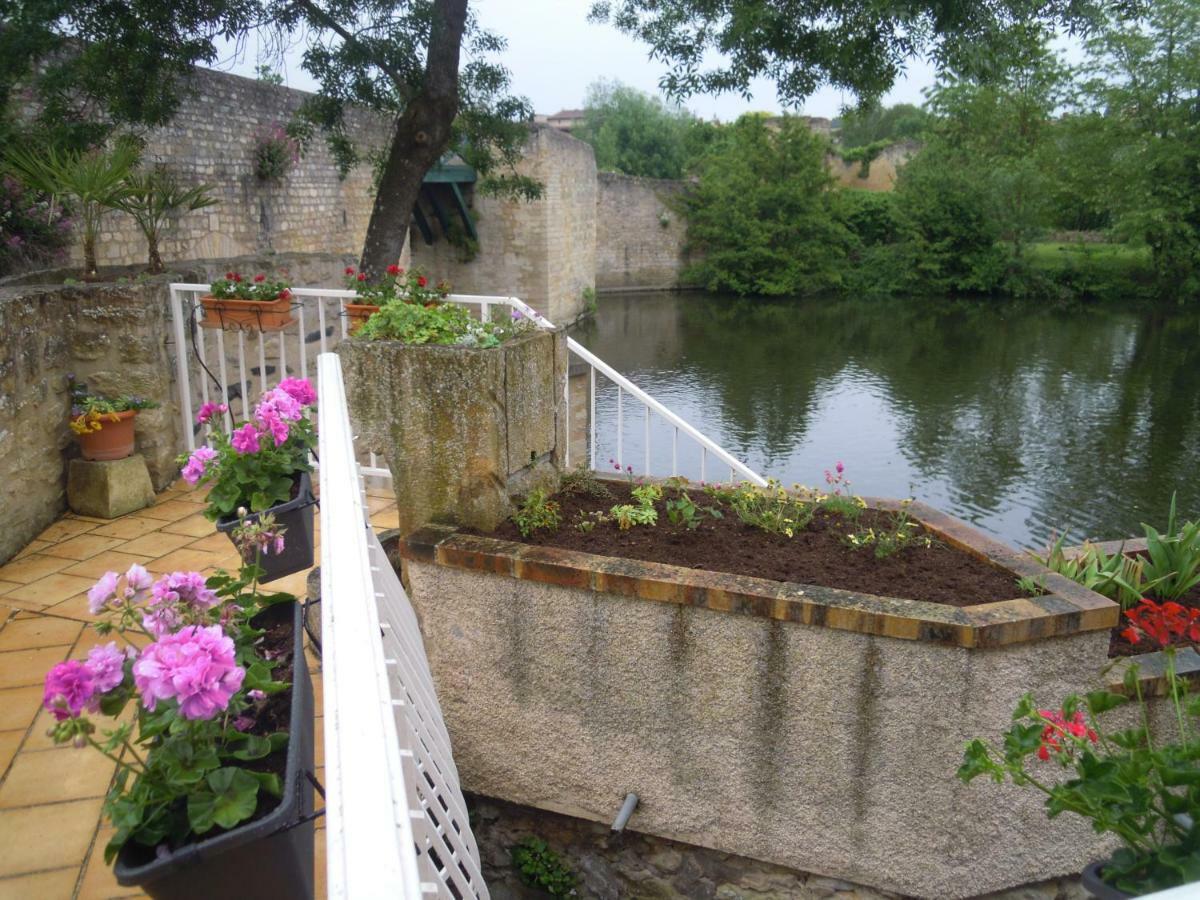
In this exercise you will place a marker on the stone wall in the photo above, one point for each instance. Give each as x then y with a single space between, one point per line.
113 338
631 865
118 339
542 251
211 140
880 175
640 236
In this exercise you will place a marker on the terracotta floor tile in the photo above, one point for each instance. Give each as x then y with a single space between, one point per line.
319 891
33 546
98 881
31 568
51 589
389 518
127 527
63 529
196 526
186 559
214 543
44 631
296 584
6 586
377 503
56 885
9 742
39 738
19 706
52 836
171 510
82 546
155 544
112 561
21 668
38 778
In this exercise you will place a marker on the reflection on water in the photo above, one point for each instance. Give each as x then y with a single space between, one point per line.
1022 420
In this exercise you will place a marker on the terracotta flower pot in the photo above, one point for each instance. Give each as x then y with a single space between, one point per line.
248 315
114 440
358 313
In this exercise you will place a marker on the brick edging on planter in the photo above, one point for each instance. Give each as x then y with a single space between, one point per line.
1067 609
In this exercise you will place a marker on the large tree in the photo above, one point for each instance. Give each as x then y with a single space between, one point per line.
425 64
717 46
636 133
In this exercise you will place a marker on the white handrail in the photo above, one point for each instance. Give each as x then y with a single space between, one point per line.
628 387
368 832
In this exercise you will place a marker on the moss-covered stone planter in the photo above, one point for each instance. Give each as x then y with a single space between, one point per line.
462 429
810 727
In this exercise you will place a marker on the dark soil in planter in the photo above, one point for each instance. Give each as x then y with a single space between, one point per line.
275 715
817 555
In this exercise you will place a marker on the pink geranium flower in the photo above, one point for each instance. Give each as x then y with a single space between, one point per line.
106 664
70 688
245 439
208 410
102 592
300 389
197 464
195 666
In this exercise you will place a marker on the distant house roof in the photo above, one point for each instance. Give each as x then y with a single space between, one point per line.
568 114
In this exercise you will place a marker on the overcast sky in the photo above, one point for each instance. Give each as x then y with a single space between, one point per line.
554 53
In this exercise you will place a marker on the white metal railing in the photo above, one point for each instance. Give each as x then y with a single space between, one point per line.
396 823
214 364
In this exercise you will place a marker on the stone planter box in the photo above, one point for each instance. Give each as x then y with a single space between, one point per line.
461 429
810 727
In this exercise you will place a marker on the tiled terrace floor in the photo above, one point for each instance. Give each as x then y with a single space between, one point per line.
51 834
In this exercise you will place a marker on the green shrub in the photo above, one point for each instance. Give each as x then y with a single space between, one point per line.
537 512
540 867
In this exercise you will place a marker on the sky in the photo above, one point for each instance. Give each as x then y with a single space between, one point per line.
554 53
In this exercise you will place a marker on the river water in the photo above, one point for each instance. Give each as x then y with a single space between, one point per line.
1024 420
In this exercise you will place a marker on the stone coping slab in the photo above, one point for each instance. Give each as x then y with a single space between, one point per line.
1067 607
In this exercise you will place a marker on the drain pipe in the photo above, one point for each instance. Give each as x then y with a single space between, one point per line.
627 808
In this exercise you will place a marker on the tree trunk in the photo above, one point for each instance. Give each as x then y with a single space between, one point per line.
90 269
156 263
421 135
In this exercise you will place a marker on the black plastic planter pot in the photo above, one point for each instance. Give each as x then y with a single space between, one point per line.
266 859
1091 882
297 516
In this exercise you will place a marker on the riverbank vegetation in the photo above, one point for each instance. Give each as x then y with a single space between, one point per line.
1034 178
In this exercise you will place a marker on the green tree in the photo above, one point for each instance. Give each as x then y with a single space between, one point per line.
634 132
764 213
1143 106
871 123
800 45
152 197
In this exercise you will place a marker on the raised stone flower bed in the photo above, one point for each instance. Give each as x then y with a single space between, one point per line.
808 726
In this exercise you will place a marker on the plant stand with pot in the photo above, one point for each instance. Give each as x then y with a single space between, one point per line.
264 858
114 440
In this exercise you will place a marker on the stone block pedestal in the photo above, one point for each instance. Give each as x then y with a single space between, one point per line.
109 489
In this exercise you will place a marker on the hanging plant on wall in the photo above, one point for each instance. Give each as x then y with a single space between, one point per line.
275 153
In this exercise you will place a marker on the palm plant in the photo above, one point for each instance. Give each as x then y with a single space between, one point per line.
152 197
93 181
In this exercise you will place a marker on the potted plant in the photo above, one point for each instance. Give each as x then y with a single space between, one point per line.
1140 786
409 287
432 322
261 467
210 795
104 425
255 304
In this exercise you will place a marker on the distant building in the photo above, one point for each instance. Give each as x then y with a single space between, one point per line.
563 120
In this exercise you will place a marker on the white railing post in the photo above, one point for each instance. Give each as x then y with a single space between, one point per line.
182 370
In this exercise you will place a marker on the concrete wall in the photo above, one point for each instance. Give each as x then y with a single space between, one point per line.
541 251
827 751
635 250
211 139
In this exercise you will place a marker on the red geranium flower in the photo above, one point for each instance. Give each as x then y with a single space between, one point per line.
285 294
393 269
349 270
1059 726
1161 623
229 276
422 281
237 277
362 276
258 279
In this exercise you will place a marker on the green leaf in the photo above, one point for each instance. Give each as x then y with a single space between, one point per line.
252 747
269 782
232 798
1102 701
